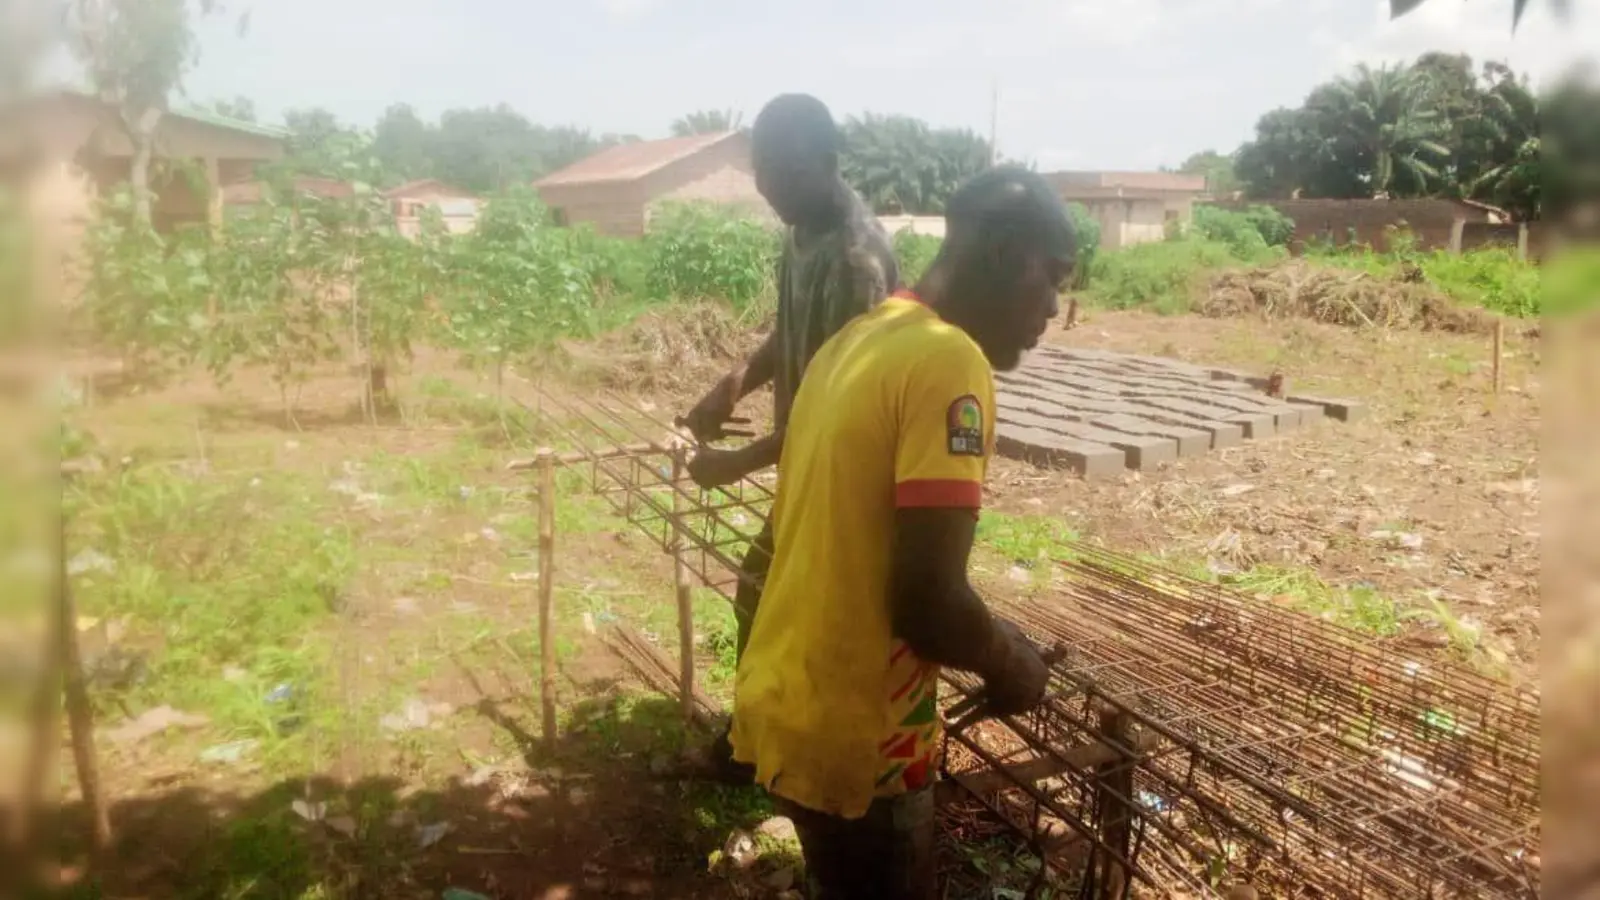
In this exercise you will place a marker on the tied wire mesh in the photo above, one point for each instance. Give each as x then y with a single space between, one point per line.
1193 737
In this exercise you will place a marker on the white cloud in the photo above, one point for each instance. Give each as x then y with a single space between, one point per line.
627 10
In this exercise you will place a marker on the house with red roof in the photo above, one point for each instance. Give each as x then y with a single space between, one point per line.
619 188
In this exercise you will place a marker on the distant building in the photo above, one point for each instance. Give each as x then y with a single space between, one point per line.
618 188
457 207
63 148
1131 207
250 193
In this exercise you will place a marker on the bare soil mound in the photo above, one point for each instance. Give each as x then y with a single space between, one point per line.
1299 289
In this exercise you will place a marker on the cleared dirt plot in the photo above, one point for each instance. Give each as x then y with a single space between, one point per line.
308 583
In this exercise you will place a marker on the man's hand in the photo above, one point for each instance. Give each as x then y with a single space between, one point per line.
711 467
1016 677
706 419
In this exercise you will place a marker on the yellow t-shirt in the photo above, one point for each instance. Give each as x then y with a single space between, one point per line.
895 410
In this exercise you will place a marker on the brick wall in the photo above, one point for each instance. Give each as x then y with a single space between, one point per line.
614 209
1364 221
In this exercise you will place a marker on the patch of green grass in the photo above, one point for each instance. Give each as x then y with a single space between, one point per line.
1492 278
1359 607
716 810
1161 275
719 629
452 479
1025 540
437 399
223 576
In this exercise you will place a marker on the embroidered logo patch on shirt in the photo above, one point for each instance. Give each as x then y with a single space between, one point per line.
964 426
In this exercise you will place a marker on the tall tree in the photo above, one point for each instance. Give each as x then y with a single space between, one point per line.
241 108
486 149
1217 169
319 144
1385 113
900 164
1505 153
404 144
135 53
1296 151
707 121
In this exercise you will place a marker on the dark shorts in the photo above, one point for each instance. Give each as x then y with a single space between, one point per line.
888 854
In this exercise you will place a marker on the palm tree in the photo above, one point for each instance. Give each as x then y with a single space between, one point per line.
707 121
1510 125
1385 112
899 164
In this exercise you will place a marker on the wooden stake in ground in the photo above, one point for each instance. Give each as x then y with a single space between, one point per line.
680 584
62 672
547 576
1499 349
1113 790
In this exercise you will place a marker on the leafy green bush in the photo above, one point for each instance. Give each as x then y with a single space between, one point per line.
1160 274
701 251
1086 229
914 253
1492 277
143 291
517 284
1237 230
1275 227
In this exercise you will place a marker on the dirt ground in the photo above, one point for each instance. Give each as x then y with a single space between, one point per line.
1431 498
1430 501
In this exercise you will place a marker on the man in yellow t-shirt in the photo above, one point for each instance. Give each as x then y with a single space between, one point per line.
880 480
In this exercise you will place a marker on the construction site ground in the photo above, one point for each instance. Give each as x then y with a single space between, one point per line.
373 729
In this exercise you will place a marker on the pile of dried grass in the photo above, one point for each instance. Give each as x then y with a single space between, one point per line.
1299 289
669 349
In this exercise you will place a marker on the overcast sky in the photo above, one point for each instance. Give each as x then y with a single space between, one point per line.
1094 84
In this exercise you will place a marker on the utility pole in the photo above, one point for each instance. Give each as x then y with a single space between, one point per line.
994 121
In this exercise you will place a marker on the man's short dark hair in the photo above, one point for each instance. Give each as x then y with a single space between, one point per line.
796 123
1011 203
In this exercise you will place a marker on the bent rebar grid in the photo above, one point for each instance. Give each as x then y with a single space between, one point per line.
1194 736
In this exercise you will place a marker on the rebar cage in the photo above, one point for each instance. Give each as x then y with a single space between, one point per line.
1193 738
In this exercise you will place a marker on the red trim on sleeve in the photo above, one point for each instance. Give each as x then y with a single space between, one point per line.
946 493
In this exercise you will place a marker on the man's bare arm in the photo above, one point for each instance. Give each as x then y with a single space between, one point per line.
716 467
935 610
717 406
933 607
759 369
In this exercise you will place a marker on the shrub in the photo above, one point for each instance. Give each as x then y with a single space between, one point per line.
1275 227
1086 229
1236 230
517 284
1160 274
143 291
700 251
914 253
1492 278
